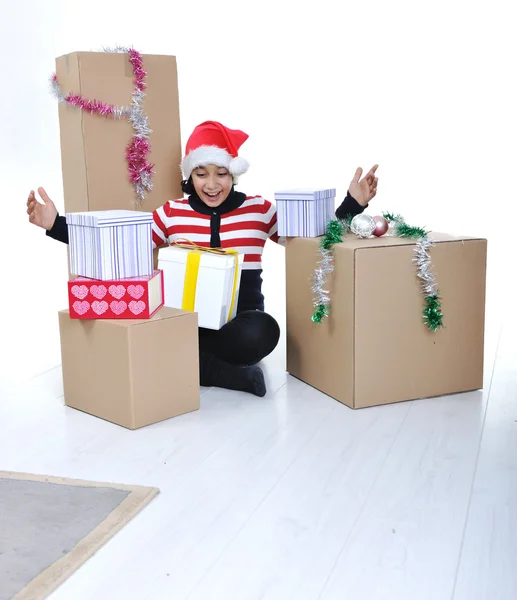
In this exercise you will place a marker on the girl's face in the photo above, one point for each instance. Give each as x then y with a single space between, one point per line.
212 184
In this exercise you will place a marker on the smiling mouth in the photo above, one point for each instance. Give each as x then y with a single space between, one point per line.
213 196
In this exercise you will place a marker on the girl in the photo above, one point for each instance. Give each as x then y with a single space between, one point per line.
215 215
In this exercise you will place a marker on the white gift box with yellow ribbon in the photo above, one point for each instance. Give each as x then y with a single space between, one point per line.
202 280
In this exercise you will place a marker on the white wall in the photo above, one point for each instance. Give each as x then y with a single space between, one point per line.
426 89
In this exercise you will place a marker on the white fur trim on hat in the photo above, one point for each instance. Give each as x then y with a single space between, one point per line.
213 155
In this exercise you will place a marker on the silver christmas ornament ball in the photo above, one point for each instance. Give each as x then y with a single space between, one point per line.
363 226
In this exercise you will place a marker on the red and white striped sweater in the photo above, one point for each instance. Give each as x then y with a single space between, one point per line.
246 228
241 222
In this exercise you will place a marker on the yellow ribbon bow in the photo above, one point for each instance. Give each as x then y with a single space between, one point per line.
192 271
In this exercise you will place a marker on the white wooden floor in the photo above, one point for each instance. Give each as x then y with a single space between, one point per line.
293 496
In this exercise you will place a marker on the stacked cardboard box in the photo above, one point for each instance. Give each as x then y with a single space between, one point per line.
126 369
131 372
94 166
124 358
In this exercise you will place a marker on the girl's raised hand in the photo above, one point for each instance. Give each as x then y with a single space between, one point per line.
42 215
363 190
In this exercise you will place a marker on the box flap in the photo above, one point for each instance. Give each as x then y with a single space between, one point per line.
109 218
352 242
161 315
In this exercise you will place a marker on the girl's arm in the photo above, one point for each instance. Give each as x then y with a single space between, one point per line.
359 194
59 231
44 214
273 224
349 207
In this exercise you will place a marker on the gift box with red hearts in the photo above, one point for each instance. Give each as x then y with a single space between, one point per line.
133 298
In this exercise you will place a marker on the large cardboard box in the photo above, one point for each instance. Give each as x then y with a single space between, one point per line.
95 171
131 372
374 348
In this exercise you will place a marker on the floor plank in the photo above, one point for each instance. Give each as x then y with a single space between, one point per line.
205 502
289 545
488 565
412 524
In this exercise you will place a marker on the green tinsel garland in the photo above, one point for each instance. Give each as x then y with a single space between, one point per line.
336 229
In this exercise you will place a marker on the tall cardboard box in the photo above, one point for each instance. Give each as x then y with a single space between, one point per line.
131 372
374 348
95 171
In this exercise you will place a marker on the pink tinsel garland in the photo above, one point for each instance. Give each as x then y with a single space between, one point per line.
139 168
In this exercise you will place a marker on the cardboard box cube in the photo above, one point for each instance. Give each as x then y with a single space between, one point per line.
134 298
95 171
110 244
304 212
200 281
374 348
131 372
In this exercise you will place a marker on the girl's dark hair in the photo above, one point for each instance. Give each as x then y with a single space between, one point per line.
187 186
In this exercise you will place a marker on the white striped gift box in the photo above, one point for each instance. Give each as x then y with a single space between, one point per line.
110 244
304 212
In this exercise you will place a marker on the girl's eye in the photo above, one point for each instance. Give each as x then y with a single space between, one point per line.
223 174
200 174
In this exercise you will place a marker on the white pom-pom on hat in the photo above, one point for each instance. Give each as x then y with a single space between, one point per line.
238 166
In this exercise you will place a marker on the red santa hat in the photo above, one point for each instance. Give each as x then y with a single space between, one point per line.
214 144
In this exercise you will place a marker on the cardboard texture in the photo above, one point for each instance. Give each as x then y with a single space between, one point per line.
134 298
208 286
132 373
95 172
375 348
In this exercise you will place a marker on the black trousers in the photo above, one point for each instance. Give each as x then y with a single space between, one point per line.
245 340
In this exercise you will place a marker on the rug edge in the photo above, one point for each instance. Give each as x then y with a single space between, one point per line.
56 574
71 481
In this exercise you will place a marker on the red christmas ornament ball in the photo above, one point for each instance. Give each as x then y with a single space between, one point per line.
381 226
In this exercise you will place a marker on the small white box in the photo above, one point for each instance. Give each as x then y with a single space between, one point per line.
110 244
214 283
304 212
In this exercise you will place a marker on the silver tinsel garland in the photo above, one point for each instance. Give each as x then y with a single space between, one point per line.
323 270
424 267
334 234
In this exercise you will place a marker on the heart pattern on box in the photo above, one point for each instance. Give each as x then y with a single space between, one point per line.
98 291
137 307
81 308
80 291
135 291
99 308
118 307
117 291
